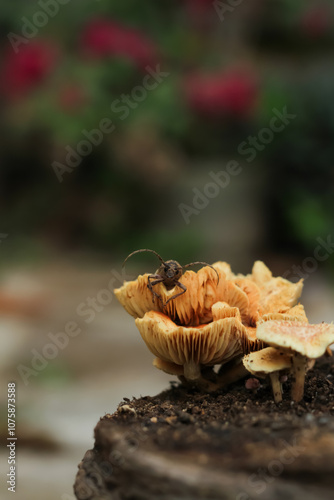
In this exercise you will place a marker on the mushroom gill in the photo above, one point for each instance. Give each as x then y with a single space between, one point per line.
190 347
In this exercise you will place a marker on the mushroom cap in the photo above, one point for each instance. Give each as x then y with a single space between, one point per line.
296 313
222 310
136 298
276 294
167 367
214 343
258 296
224 268
309 340
270 297
192 307
266 361
261 274
250 342
254 295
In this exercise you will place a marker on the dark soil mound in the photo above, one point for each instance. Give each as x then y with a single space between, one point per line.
231 444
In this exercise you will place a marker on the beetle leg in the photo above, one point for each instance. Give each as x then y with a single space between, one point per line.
180 285
157 279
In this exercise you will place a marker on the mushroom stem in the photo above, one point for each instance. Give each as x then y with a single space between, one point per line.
298 370
193 374
276 386
192 370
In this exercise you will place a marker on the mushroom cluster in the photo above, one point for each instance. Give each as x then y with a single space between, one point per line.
295 346
224 322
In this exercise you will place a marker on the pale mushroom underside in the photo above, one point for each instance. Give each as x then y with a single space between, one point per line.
215 343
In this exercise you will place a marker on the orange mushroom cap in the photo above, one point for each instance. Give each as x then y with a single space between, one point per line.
191 308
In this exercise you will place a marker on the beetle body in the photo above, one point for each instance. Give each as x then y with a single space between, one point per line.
169 273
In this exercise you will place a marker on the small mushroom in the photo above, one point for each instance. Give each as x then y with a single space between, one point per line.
268 362
302 340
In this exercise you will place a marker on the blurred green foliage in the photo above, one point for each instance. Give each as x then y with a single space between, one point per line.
225 78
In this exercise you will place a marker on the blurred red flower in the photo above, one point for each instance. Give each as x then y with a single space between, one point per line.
24 70
317 21
234 92
105 38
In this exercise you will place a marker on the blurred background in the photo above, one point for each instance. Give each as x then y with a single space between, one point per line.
115 118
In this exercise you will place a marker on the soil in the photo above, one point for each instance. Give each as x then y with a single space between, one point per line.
235 443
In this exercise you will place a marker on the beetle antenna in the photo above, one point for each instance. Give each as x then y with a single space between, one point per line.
143 250
204 264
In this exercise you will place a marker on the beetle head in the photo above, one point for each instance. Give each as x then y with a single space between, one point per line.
171 271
